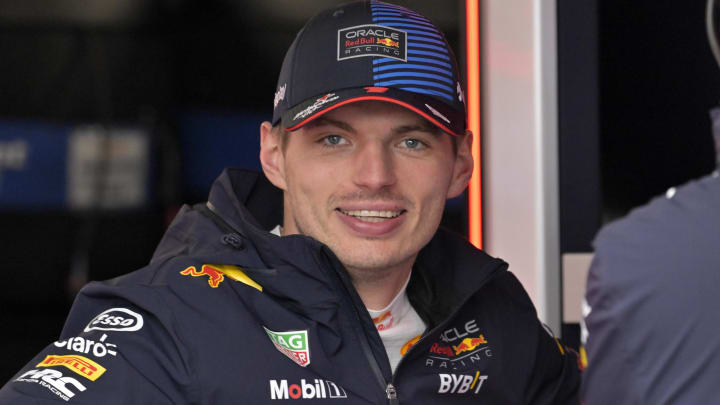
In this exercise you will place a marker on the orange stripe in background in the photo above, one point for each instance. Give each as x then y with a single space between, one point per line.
472 25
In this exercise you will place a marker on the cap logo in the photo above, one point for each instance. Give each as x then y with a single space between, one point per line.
372 40
330 97
437 113
279 95
372 89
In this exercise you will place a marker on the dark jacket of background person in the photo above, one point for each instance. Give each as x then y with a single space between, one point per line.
180 332
654 301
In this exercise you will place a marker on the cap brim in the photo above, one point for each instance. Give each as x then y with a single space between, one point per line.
436 112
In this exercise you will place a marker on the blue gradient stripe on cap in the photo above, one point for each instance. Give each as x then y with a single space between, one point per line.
427 70
395 66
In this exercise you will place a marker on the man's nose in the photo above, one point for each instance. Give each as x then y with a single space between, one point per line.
374 167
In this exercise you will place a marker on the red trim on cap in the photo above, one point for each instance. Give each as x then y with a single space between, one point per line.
379 98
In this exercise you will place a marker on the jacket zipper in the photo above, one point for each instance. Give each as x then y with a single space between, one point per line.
391 394
387 386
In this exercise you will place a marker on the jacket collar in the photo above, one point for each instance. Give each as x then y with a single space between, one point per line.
447 271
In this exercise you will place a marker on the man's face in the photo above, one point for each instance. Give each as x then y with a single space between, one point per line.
369 180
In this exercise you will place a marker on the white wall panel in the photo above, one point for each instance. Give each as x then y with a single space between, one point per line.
520 175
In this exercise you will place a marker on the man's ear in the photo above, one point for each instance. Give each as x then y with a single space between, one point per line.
271 155
463 168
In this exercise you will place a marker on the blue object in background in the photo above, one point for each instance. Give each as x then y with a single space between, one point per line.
212 141
33 164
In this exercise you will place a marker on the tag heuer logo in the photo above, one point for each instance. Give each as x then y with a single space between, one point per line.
293 344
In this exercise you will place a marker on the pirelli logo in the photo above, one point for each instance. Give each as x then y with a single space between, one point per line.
78 364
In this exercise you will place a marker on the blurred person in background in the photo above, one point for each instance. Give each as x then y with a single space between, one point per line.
355 295
651 311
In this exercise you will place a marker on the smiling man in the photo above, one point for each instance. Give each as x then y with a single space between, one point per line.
373 190
328 277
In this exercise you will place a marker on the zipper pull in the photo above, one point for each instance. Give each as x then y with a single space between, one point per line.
391 394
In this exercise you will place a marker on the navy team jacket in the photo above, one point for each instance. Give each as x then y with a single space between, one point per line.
227 313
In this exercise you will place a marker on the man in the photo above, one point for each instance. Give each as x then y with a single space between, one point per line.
357 297
652 302
651 310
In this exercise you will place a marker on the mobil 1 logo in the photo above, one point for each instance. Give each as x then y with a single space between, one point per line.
372 40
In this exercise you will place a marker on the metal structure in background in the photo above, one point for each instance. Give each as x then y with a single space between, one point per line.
520 144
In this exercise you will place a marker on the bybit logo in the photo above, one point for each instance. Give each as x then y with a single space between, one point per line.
461 383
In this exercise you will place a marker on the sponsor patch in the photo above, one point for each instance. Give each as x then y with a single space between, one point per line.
454 334
79 344
469 344
330 97
384 321
315 389
77 364
279 95
117 319
459 348
372 40
63 387
461 383
410 343
293 344
216 274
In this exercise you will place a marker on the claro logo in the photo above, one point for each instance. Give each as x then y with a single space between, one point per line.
119 319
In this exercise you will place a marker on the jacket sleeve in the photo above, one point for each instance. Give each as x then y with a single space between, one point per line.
556 376
118 346
552 374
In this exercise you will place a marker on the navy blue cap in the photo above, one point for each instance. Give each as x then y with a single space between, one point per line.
370 50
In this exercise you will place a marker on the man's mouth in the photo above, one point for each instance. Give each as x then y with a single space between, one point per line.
372 215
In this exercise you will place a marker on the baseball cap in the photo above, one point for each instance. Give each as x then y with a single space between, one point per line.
370 50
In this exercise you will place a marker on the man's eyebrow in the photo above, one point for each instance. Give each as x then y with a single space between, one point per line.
420 127
322 121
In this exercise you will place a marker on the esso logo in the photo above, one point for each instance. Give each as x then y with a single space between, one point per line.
119 319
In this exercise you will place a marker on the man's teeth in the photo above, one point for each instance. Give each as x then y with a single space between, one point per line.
371 215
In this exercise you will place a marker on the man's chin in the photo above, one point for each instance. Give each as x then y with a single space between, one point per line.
367 261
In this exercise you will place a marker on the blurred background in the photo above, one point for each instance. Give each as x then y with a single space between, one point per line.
115 112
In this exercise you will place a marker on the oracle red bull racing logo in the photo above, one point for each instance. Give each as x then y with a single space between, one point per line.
372 40
459 348
215 276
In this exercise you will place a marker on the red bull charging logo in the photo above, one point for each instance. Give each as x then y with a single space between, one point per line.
215 275
468 344
388 42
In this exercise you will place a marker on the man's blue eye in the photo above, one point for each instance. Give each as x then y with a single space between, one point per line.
412 143
334 139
